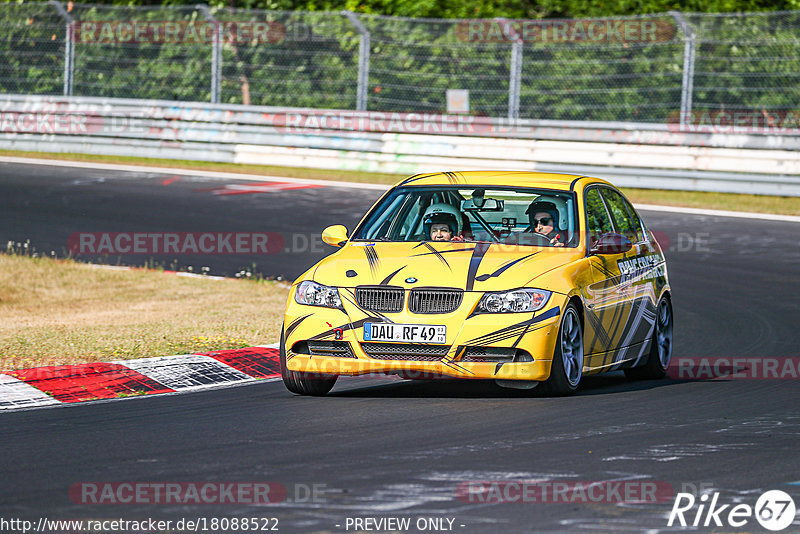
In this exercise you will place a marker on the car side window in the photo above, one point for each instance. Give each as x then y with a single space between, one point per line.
626 220
596 217
635 220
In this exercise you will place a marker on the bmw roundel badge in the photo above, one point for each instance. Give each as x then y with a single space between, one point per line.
410 280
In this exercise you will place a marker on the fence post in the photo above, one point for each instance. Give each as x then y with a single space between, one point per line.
69 47
515 68
363 59
216 54
689 50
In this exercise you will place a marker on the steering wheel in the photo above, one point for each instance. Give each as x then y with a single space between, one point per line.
543 238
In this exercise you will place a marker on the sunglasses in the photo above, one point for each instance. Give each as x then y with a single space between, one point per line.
544 221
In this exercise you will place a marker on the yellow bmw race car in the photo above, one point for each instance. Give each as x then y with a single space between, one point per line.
520 277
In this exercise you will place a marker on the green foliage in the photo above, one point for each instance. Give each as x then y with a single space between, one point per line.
314 64
32 49
742 61
523 9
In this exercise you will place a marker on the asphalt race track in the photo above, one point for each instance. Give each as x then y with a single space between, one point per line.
47 205
383 448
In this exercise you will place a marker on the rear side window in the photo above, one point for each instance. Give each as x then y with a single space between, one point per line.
596 217
626 220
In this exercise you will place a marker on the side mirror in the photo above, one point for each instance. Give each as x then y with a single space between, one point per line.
611 244
335 235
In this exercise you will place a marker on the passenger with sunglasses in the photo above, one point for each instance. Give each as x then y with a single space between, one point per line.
543 219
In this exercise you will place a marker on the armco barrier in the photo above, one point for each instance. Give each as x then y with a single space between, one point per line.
634 155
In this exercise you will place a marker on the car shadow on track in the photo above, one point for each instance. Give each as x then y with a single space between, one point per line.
444 388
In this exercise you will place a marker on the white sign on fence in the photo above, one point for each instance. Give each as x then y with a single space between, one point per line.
457 101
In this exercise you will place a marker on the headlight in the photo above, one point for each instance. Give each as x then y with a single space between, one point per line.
314 294
515 301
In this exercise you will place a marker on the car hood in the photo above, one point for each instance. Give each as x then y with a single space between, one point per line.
469 266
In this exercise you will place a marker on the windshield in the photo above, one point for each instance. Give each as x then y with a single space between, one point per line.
512 215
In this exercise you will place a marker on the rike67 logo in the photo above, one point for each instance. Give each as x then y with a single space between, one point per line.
774 510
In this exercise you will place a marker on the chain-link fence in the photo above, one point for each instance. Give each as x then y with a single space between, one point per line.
636 69
32 49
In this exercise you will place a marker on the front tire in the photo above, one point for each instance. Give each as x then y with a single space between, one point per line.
567 368
303 383
660 348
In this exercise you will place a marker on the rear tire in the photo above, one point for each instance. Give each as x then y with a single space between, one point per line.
567 368
660 347
304 383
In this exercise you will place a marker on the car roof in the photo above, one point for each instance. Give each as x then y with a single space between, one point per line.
498 178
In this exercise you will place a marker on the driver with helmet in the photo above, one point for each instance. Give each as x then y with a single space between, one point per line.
442 222
543 219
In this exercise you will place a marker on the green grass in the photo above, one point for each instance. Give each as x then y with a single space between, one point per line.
719 201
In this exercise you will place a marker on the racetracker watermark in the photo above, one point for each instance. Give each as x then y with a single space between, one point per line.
735 121
175 243
565 492
736 368
645 30
376 121
71 122
683 241
173 32
157 493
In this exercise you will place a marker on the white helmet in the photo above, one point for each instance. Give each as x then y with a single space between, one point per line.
442 213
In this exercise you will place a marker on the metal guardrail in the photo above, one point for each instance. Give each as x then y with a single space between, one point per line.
635 155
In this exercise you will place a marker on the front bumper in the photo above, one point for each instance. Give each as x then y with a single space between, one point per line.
533 333
536 370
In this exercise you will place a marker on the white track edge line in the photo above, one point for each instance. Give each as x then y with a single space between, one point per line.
354 185
187 172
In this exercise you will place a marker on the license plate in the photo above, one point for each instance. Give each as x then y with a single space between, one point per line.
409 333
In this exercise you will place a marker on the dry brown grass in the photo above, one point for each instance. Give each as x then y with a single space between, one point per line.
56 312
